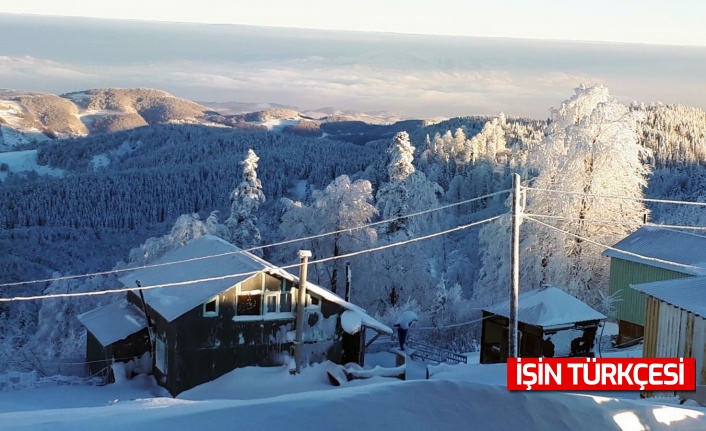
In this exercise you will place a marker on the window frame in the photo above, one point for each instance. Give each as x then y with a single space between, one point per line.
207 313
257 293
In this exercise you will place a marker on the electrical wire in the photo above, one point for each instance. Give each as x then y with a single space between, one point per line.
455 325
321 235
230 276
648 258
408 241
665 201
606 222
613 222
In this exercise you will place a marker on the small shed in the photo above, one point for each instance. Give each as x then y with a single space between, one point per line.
547 314
116 332
650 254
675 322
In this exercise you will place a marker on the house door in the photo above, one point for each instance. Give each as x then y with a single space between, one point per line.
352 350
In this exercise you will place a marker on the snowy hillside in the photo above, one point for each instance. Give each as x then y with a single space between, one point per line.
24 161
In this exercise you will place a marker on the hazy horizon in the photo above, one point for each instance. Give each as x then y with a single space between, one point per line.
411 75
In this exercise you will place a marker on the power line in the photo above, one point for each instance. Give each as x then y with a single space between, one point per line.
617 223
226 277
321 235
122 290
455 325
597 221
652 259
421 238
664 201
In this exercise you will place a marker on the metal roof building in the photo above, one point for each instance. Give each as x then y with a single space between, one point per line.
675 322
647 255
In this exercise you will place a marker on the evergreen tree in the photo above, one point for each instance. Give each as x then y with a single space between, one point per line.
245 202
407 191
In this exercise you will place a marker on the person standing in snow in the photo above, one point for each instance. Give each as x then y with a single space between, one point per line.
403 323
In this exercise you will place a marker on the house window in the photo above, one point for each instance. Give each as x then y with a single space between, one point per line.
210 308
271 304
277 302
285 302
285 297
160 355
249 304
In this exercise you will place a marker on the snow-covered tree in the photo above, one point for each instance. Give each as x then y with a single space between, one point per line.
186 228
407 191
342 207
245 201
591 152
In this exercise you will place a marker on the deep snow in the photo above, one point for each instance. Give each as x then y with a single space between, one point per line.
458 397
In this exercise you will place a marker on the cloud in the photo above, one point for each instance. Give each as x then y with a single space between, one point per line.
39 68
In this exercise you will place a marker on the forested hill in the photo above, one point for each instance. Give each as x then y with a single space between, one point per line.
142 180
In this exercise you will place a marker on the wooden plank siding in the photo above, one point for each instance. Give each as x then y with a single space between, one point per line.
623 273
671 332
649 349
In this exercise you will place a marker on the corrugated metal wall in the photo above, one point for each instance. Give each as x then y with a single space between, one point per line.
671 332
624 273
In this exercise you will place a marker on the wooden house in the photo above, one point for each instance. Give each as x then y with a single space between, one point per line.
675 322
547 314
650 254
240 312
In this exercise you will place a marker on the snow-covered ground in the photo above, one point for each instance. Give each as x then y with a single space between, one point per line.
275 124
458 397
103 159
25 161
88 117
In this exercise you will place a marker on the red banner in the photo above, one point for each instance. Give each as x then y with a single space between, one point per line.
601 374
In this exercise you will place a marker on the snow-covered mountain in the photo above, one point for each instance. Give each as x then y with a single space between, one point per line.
27 117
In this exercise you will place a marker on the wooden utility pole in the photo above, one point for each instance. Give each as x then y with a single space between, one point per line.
515 262
304 256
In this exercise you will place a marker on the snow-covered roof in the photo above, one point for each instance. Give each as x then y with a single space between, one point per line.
664 248
548 307
173 301
114 322
686 293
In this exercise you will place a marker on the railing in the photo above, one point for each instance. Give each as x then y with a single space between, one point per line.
436 354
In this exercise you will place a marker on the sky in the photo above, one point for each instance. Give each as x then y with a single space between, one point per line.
677 22
405 75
